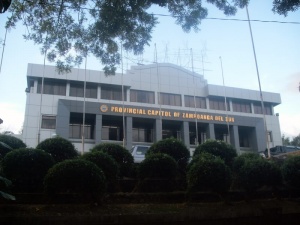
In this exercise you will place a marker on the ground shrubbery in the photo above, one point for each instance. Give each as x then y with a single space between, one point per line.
120 154
208 173
12 141
4 149
75 176
253 172
59 148
291 171
26 168
8 143
107 164
218 148
157 173
174 148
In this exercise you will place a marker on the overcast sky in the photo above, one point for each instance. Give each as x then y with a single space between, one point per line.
277 47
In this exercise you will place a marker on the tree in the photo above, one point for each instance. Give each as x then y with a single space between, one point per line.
285 140
69 30
282 7
296 141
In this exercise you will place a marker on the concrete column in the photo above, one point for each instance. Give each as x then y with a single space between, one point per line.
98 129
207 103
158 129
230 105
68 89
99 92
234 138
252 108
128 132
186 134
211 131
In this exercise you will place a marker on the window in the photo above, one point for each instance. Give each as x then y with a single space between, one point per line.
244 107
112 93
52 87
258 109
76 90
142 135
170 99
218 104
189 101
76 126
48 121
142 96
111 133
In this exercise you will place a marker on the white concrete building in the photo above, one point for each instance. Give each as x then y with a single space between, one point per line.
160 101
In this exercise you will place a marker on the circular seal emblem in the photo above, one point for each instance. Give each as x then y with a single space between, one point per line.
103 108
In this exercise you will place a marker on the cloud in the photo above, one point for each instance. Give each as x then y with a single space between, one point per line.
290 125
292 84
12 116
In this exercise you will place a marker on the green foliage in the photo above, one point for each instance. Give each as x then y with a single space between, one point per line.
120 154
158 165
291 171
12 141
218 148
4 149
59 148
208 173
253 172
282 7
173 148
296 141
26 168
7 184
75 176
106 163
72 29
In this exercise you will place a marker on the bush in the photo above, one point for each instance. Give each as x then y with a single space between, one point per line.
158 165
253 172
173 148
59 148
107 164
157 173
12 141
218 148
209 174
291 171
75 176
26 168
120 154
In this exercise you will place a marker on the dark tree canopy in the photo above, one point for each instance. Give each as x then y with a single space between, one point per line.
69 30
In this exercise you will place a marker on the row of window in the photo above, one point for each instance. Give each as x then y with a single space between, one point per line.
55 87
142 131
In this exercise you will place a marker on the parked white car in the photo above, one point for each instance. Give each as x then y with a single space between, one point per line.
138 152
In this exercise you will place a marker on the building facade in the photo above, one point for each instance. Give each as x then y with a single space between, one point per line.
144 105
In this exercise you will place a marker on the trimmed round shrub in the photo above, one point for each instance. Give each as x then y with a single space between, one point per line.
158 165
12 141
59 148
173 148
75 176
157 173
241 159
291 171
120 154
253 172
209 174
218 148
26 168
107 164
